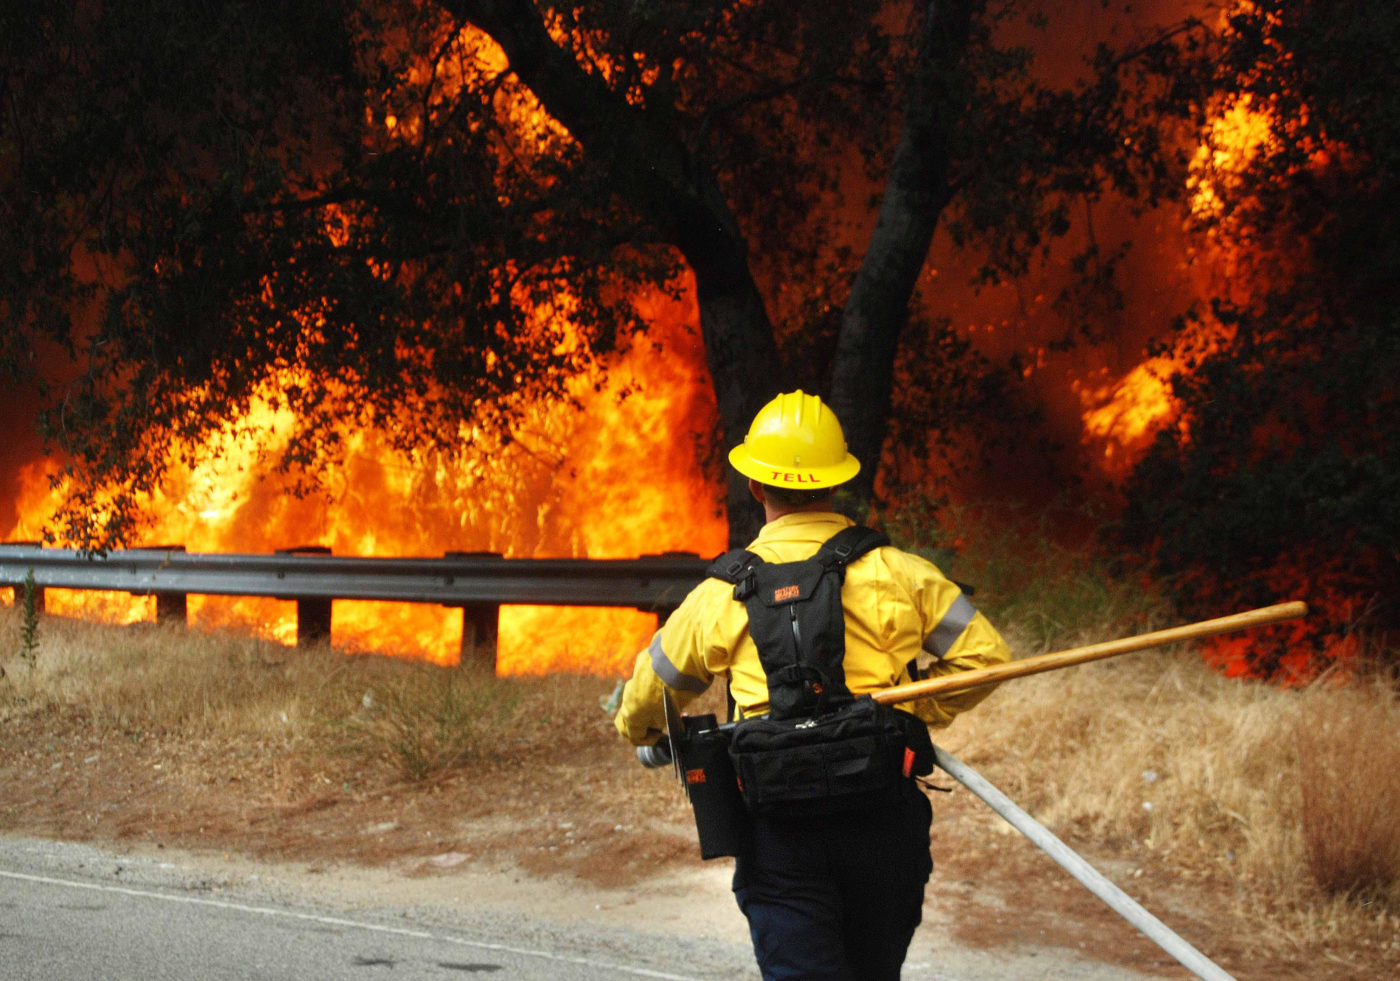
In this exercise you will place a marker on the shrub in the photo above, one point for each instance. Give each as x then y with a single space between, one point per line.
29 628
427 719
1350 761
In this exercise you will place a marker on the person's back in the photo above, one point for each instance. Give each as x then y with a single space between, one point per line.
829 892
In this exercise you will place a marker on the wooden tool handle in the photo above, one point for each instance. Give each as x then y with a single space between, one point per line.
948 684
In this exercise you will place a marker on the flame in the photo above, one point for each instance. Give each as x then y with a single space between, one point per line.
617 476
1233 139
1122 416
469 59
1332 640
1125 415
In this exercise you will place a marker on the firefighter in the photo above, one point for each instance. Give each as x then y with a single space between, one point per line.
828 896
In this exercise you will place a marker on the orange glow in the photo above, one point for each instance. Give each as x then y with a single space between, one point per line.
1125 415
1327 640
470 59
614 478
1231 142
1122 416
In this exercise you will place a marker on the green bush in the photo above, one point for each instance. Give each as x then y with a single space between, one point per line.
29 628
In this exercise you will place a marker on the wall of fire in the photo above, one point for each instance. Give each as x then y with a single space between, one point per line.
627 476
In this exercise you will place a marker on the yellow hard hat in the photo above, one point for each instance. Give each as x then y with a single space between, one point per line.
795 441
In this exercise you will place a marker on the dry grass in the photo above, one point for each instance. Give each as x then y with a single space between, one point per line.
1291 796
1349 754
155 679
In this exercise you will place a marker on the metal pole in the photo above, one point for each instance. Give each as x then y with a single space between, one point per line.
1121 903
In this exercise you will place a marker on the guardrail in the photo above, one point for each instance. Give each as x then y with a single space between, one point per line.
479 583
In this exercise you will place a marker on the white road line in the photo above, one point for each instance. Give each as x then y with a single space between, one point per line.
354 924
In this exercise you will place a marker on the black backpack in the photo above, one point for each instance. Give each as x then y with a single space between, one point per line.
819 748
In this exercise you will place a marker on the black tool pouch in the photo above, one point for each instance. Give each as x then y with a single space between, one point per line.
856 756
722 820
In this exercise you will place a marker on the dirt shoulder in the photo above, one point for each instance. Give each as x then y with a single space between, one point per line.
575 832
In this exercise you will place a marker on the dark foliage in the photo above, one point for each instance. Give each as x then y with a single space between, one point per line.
356 212
1281 477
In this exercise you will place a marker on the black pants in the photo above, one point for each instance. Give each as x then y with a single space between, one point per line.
838 897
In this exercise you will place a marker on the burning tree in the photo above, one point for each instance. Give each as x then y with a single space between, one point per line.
1280 474
425 216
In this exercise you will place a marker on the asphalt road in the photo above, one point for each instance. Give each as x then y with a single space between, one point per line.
68 913
67 929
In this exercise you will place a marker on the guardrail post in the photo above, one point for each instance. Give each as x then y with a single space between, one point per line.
170 607
19 587
313 612
481 626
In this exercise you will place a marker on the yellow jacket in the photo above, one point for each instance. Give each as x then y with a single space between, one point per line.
897 606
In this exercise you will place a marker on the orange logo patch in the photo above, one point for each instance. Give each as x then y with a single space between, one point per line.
786 593
694 776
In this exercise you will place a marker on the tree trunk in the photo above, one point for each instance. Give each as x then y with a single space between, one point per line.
745 368
654 172
862 371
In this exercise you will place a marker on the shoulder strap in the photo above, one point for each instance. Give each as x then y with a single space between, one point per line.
840 550
736 567
849 544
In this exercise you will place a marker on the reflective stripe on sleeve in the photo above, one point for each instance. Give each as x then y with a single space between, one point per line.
950 628
668 673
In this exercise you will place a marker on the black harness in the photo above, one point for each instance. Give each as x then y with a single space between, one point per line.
819 748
